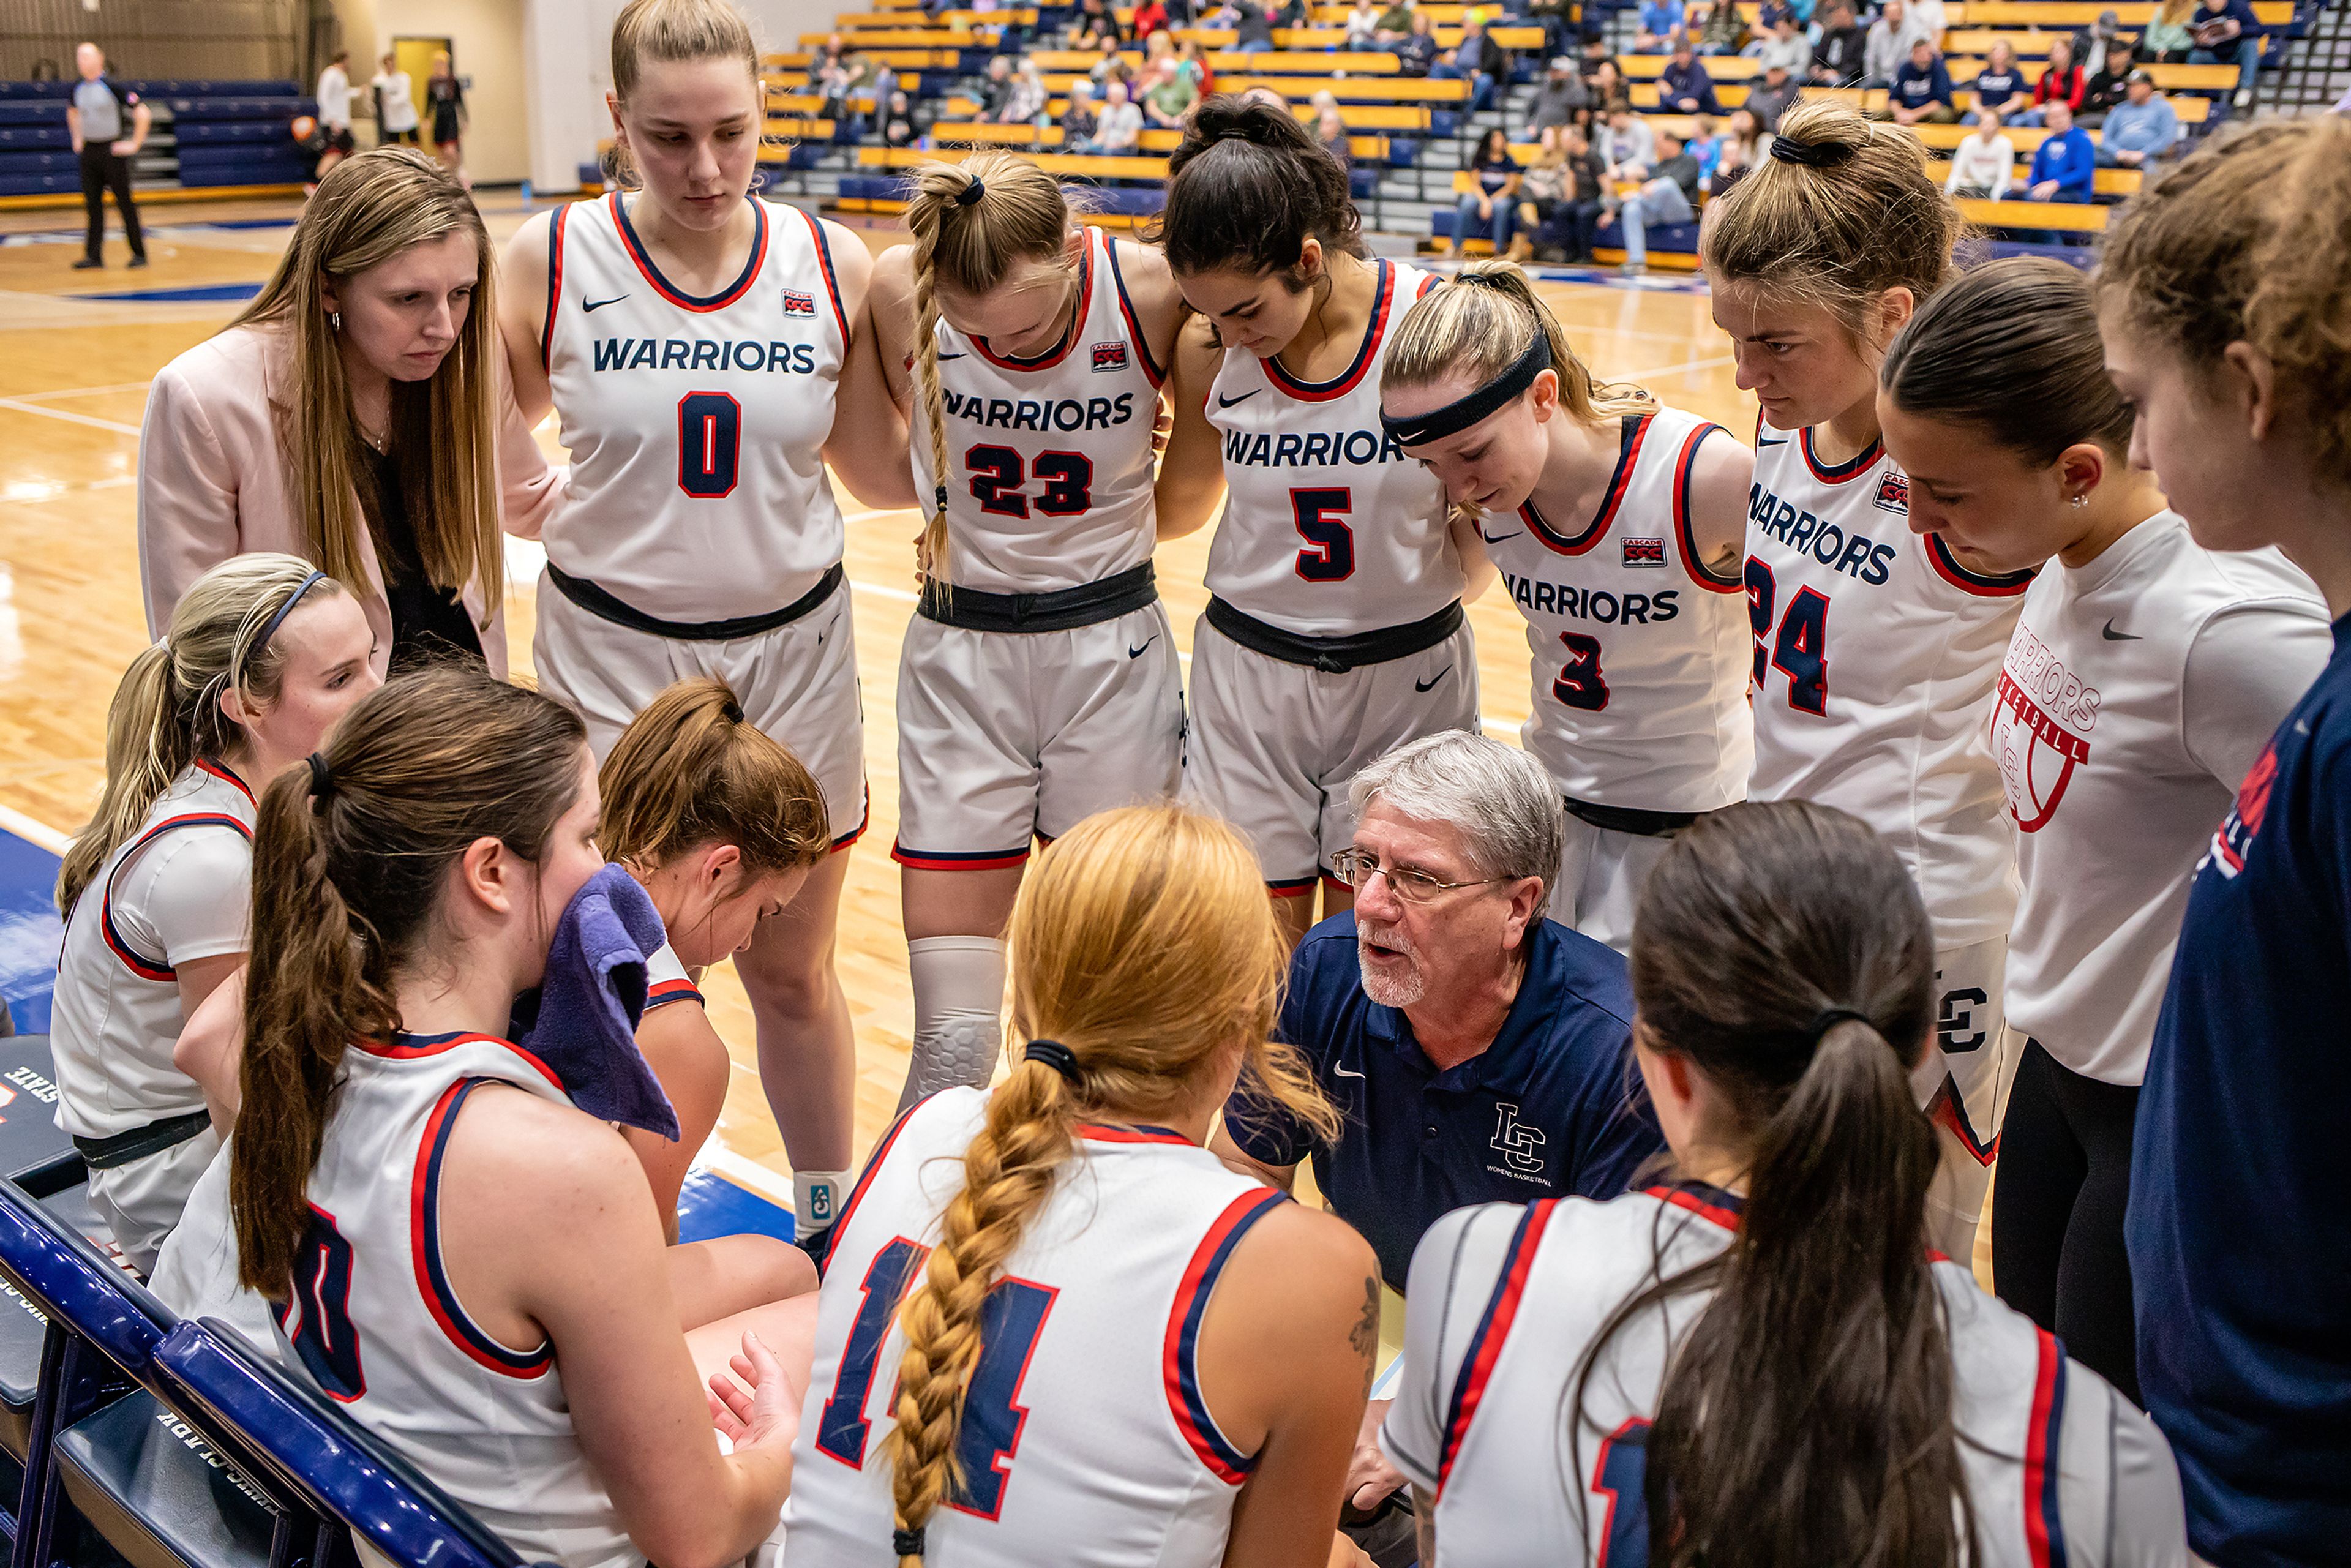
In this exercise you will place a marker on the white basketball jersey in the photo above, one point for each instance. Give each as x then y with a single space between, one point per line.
116 1014
697 425
1329 529
1641 661
1084 1440
1049 460
2092 735
1506 1299
1876 653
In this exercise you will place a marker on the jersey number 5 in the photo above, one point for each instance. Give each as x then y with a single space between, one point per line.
321 1301
1010 1322
1801 649
709 444
1319 515
997 479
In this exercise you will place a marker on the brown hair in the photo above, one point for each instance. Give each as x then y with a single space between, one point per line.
1841 234
690 769
1143 943
370 208
345 884
2012 349
970 245
662 30
167 711
1806 1415
2246 241
1247 187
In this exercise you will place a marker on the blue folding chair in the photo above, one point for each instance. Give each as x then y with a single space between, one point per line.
330 1463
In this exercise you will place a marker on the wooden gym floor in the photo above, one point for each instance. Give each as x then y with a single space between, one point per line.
74 370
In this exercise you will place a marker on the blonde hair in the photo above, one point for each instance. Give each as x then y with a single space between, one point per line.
369 209
1476 327
1022 214
1838 236
1143 943
678 30
167 711
2247 241
691 770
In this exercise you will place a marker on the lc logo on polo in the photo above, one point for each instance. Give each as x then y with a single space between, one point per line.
1520 1146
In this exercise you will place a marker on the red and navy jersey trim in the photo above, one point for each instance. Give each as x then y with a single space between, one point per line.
667 991
864 820
1633 429
1948 1110
1710 1203
1061 350
1104 1133
1493 1328
424 1242
415 1047
554 286
958 860
1181 1356
1292 886
1685 464
824 262
874 1166
1843 472
683 301
148 969
1134 333
2044 1524
1947 567
1383 299
207 764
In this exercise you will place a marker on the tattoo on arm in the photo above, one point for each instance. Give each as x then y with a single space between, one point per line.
1365 1335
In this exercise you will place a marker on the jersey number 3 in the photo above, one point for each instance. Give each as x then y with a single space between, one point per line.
997 479
1010 1323
709 445
1801 649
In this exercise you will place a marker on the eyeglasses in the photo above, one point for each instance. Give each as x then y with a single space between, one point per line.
1355 869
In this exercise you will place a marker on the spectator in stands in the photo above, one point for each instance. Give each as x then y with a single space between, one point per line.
994 94
1478 59
2090 44
1927 17
1787 46
897 122
1079 121
1557 97
1984 164
1393 24
1742 142
1628 144
1415 52
870 83
2061 81
2105 89
1112 68
1151 16
1545 185
2166 39
1608 83
1773 97
2000 84
1719 27
1193 59
2140 129
1330 130
1167 102
1025 104
1704 145
1594 55
395 103
1890 37
1921 93
1685 88
1840 54
1252 27
1097 25
1557 19
1120 130
1659 21
2065 167
2227 30
1488 211
1668 196
1363 27
108 125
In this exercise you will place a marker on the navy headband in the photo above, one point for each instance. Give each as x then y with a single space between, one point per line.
269 627
1419 430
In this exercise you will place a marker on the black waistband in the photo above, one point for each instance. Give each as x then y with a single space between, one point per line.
604 607
105 1153
1625 820
1062 609
1336 656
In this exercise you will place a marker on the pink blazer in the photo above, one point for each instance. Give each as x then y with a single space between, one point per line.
213 484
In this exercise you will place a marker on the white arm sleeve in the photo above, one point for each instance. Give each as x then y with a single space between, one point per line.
188 895
2246 670
1454 1270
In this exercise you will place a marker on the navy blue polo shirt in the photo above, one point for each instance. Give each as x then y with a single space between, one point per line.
1554 1107
2240 1238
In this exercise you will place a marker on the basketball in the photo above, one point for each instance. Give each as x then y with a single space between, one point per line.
305 128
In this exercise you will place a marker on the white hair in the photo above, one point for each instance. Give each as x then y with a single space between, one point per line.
1505 807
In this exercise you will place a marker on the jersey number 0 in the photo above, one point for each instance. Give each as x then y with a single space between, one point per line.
709 444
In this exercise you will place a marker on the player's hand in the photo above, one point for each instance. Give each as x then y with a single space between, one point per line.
759 1406
1370 1476
1346 1553
124 148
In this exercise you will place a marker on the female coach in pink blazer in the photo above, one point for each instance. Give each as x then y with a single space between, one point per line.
356 414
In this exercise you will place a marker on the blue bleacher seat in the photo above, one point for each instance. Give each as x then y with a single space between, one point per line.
160 1493
20 112
20 91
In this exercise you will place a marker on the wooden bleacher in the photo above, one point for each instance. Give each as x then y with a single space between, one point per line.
979 132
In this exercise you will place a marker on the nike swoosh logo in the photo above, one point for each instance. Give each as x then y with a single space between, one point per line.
951 356
1781 442
1430 683
2111 635
1342 1073
1137 653
589 306
1498 538
1224 401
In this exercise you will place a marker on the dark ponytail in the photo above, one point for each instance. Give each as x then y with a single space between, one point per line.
2012 349
1781 949
349 859
1248 187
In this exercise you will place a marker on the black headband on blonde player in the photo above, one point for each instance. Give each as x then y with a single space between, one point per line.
972 222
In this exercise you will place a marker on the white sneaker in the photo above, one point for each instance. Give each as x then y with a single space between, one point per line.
2244 98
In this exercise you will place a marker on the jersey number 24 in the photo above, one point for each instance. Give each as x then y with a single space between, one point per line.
1799 649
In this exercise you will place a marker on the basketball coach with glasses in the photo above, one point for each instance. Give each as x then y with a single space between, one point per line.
1478 1052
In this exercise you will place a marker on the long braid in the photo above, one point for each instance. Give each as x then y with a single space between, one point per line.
1009 1168
931 547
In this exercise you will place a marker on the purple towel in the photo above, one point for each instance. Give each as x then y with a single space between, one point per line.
582 1019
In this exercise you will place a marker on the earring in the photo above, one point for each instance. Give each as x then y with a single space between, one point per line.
2079 501
335 319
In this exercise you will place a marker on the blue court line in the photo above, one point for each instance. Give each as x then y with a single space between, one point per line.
30 932
710 1206
202 293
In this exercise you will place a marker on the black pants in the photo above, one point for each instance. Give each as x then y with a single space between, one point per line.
2057 1217
103 171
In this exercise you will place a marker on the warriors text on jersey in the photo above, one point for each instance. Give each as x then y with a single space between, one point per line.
1874 657
697 490
1507 1300
1640 652
1085 1440
1329 530
1049 459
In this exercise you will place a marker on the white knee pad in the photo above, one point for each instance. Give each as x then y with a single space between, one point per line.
958 1013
